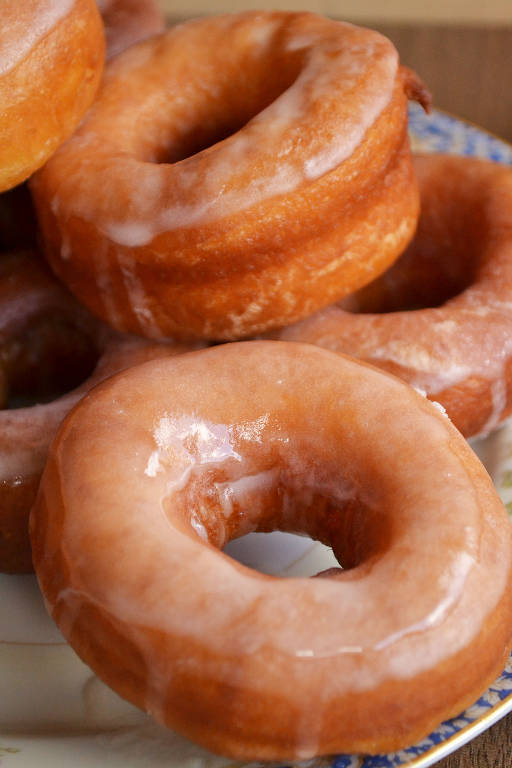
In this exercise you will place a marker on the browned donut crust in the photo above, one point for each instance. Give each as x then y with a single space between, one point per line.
441 317
51 60
48 344
128 21
257 168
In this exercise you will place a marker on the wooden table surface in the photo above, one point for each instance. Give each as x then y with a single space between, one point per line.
492 749
469 71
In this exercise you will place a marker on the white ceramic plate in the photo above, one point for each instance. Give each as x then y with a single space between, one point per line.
54 713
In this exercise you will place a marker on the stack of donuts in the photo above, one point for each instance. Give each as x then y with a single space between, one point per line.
248 179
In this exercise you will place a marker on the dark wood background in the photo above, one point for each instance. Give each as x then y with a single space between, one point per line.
468 69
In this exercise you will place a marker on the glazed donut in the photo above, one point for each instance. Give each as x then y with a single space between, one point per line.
457 277
257 169
128 21
136 501
48 344
51 60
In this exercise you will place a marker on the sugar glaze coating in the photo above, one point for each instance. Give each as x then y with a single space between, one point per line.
233 658
226 183
457 347
22 30
51 60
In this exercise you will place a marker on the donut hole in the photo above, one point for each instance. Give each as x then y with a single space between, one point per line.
298 539
219 98
441 262
200 137
45 361
281 554
271 519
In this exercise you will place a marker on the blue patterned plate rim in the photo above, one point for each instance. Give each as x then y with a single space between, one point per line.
441 131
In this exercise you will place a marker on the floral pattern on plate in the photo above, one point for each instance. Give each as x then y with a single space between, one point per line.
441 132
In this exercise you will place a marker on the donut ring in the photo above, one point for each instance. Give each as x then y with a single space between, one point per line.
41 330
198 243
128 21
249 665
51 61
460 352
